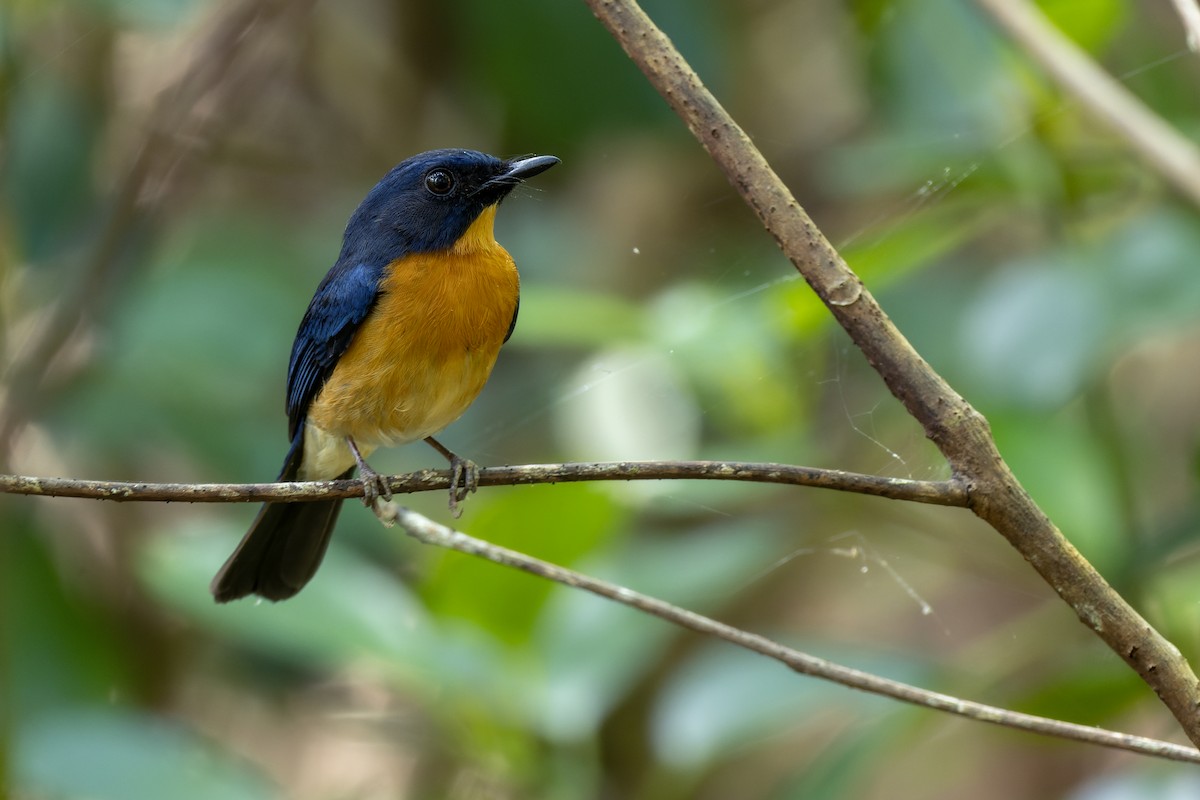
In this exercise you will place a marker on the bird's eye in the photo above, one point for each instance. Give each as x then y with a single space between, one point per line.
439 181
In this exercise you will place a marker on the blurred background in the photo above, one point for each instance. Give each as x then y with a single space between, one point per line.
174 179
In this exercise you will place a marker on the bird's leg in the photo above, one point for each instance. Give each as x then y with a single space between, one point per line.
464 475
375 485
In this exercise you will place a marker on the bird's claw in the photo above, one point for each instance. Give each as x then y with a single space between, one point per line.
464 480
377 496
375 486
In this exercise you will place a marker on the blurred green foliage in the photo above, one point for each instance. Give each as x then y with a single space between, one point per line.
186 169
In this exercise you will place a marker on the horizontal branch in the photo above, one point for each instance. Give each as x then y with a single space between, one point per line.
429 532
944 493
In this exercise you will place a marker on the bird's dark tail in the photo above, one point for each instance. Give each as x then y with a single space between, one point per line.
283 548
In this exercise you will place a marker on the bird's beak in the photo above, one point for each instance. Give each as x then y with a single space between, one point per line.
525 168
515 172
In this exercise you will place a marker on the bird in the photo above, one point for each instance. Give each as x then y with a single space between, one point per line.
398 340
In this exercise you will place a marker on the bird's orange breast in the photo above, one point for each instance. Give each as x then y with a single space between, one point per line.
421 356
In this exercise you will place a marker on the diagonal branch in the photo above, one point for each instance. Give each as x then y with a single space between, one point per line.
1189 15
958 430
943 493
427 531
1163 148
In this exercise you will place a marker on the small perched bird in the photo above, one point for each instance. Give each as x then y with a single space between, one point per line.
398 340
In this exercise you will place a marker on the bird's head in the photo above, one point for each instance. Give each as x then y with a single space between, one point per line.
429 201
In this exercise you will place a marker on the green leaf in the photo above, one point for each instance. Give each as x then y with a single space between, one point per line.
567 105
152 13
1095 692
1091 24
1175 590
594 649
1140 781
1036 333
119 755
632 404
1065 470
198 355
724 697
48 177
351 609
560 524
915 241
57 647
555 316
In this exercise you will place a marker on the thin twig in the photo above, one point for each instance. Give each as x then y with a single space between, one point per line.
1162 147
429 532
944 493
958 430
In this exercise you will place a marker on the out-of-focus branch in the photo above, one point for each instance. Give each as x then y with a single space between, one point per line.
945 493
1162 147
427 531
1189 13
953 425
171 129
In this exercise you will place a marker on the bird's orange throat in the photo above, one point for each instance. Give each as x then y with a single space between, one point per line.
480 236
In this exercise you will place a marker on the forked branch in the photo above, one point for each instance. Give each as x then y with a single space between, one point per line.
958 430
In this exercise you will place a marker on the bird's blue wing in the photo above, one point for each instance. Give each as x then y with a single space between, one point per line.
341 303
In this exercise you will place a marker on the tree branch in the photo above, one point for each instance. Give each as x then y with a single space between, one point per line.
982 480
944 493
429 532
1158 144
1189 15
958 430
949 493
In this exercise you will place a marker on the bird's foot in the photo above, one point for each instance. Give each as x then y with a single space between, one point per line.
375 486
464 475
464 480
377 496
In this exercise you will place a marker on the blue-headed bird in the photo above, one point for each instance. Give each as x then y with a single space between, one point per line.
398 340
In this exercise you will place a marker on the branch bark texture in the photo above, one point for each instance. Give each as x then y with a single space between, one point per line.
958 430
942 493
